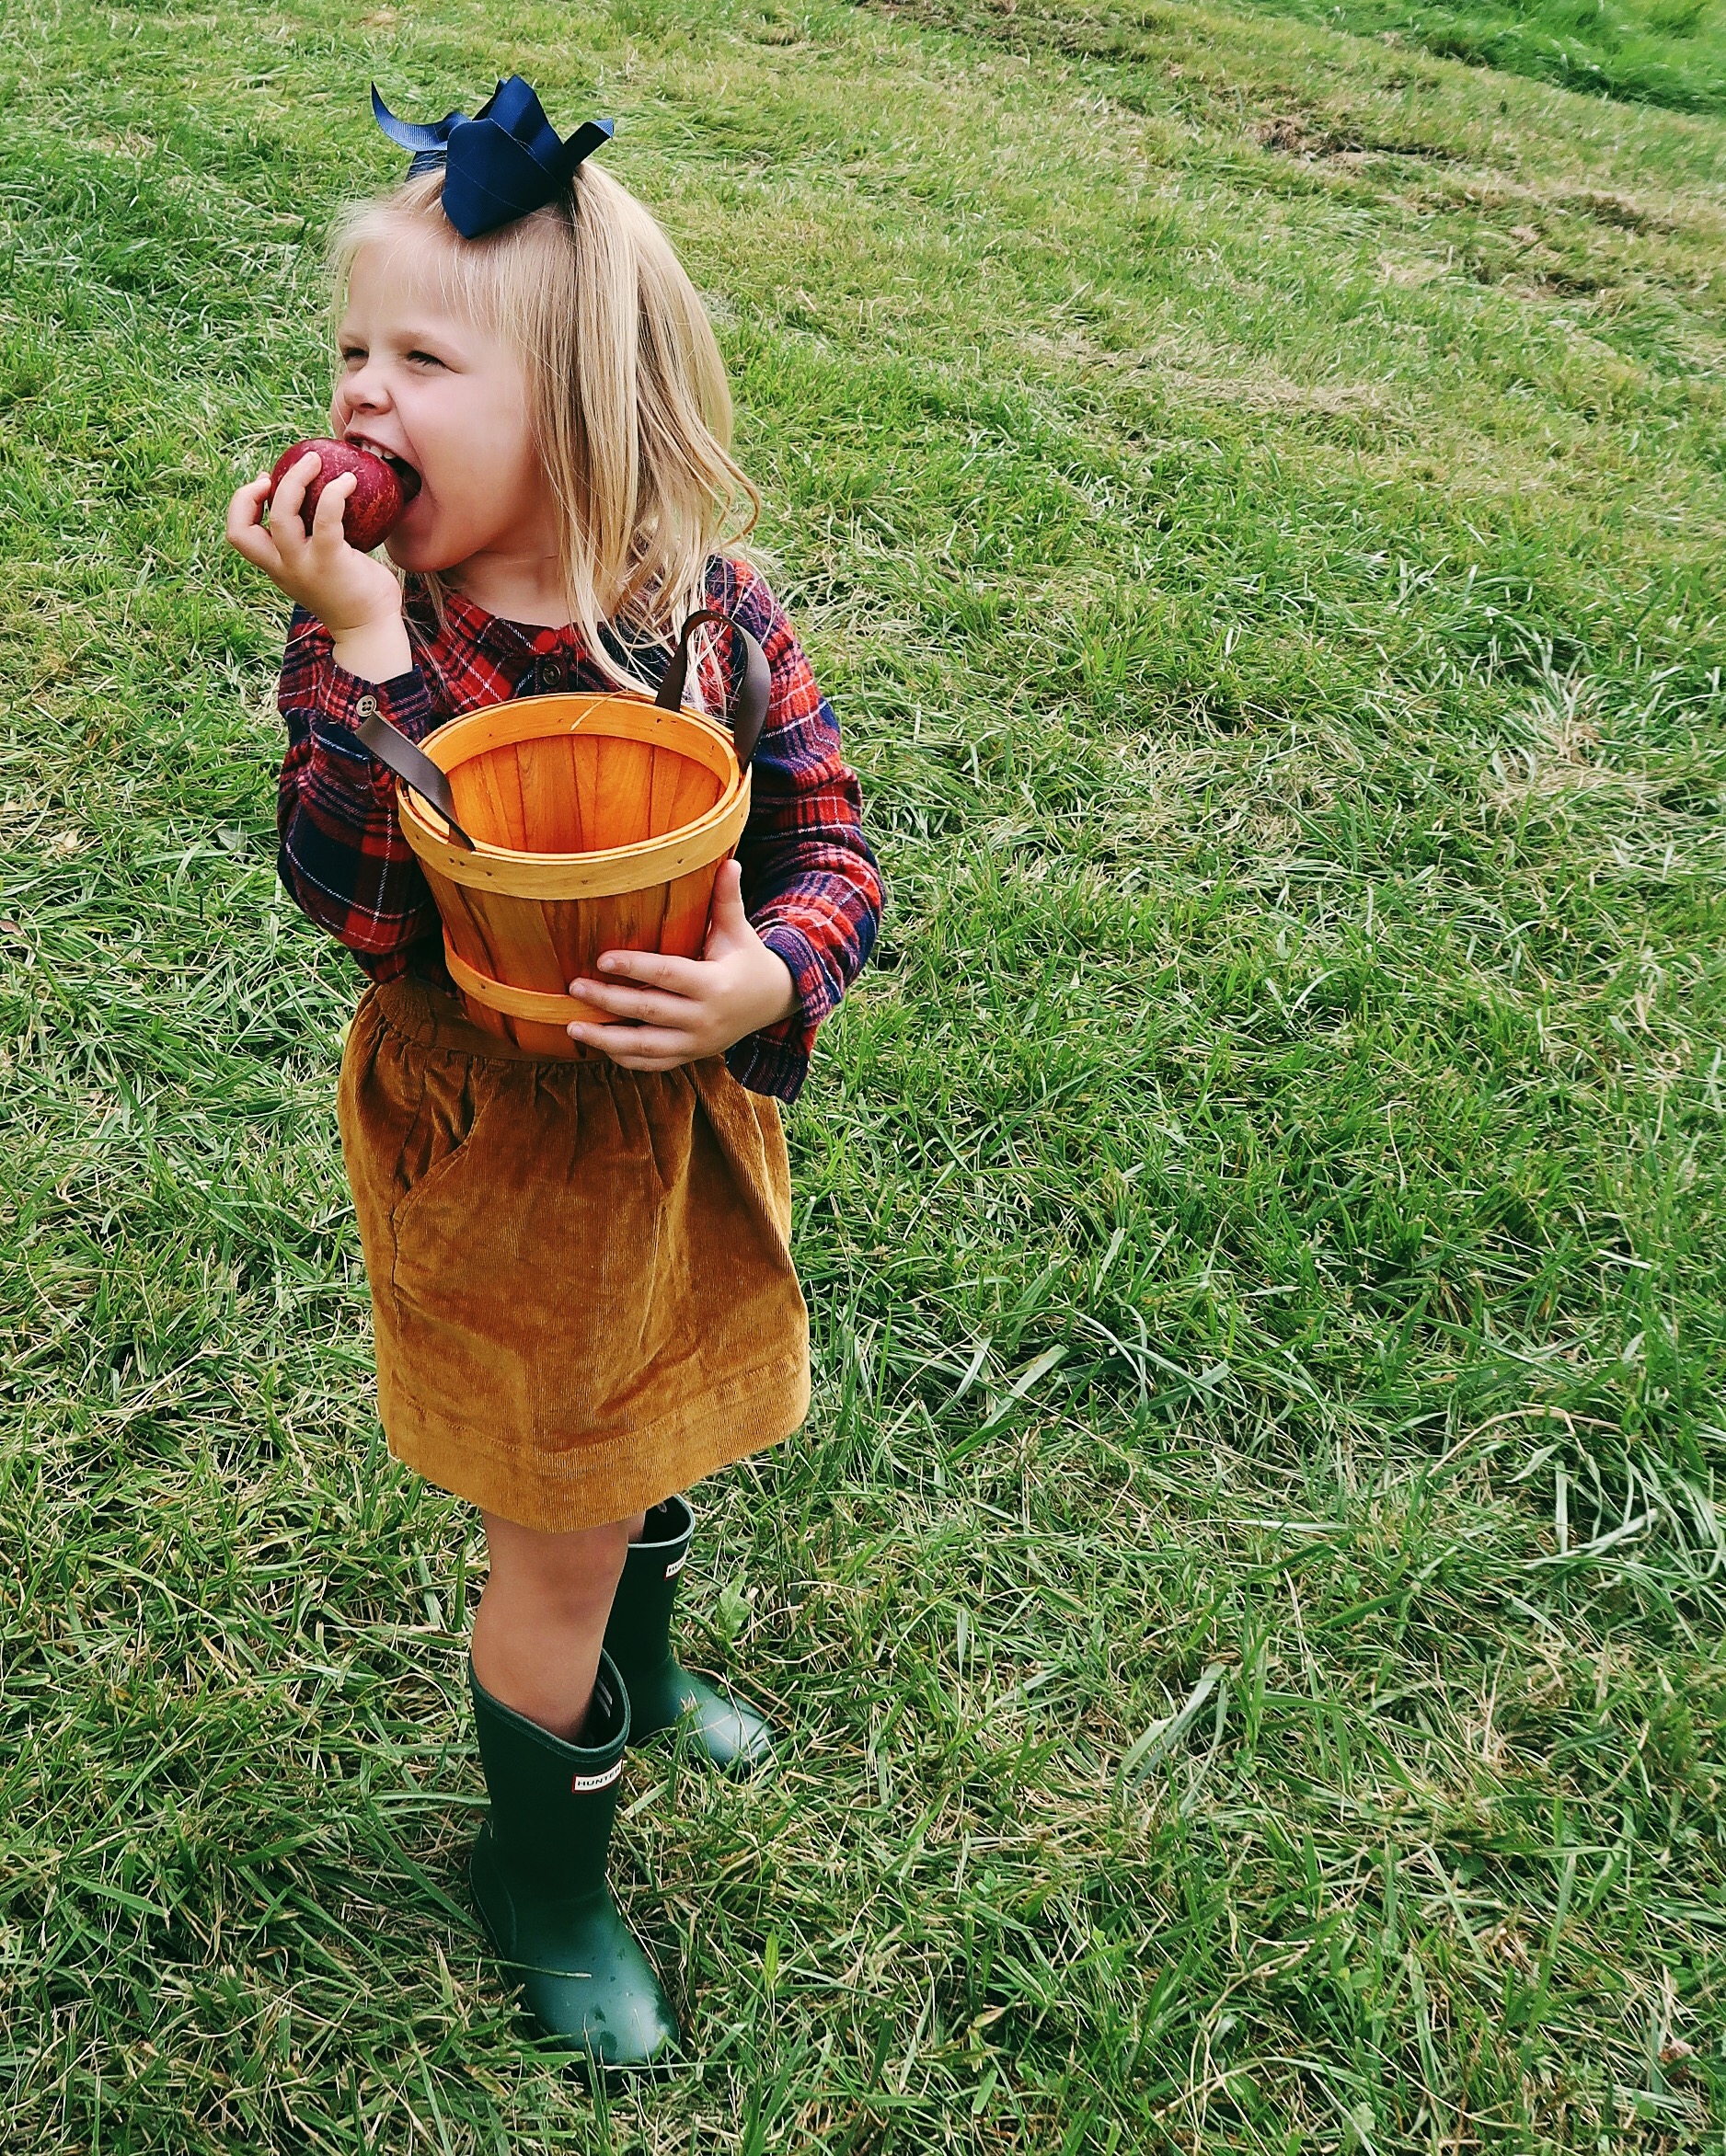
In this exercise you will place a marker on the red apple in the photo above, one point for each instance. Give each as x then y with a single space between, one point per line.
378 498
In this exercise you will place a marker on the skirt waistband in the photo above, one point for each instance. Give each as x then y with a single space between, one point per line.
433 1018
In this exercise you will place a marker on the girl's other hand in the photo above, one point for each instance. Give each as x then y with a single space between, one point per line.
358 600
689 1008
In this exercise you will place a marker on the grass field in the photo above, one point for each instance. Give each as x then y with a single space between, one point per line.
1668 53
1246 1609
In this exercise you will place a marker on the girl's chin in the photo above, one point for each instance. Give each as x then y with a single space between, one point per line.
414 551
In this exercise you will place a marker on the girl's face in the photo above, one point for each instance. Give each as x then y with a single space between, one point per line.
427 388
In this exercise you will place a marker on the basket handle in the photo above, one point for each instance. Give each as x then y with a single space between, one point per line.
751 715
413 767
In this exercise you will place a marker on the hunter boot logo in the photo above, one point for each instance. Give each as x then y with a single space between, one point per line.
585 1784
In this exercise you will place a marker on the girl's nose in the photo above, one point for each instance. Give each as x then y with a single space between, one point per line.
364 389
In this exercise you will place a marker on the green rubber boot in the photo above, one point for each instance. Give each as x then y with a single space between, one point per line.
538 1872
638 1639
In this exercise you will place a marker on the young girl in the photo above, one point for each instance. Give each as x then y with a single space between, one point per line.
583 1293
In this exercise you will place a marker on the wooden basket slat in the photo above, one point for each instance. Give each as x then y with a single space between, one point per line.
462 924
503 774
474 807
551 1042
624 798
629 920
524 949
549 802
687 790
481 805
665 784
584 756
462 928
570 930
688 900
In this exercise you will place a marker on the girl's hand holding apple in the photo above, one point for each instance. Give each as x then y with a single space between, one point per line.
357 599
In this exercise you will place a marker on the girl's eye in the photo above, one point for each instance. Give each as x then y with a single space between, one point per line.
353 355
420 359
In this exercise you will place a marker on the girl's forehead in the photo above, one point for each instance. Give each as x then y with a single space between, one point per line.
397 277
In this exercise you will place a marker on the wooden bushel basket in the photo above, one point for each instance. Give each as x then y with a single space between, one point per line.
569 825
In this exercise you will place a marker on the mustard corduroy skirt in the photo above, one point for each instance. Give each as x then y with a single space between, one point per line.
581 1282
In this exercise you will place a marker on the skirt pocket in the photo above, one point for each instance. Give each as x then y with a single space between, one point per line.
527 1281
434 1151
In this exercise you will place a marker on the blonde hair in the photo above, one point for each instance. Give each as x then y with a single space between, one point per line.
627 402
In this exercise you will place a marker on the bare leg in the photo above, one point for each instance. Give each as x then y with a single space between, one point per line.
541 1620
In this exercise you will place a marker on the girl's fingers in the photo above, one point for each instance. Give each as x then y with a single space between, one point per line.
332 506
642 1003
247 506
681 975
257 546
285 503
639 1047
246 532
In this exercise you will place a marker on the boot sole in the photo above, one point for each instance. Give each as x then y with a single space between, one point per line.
572 2050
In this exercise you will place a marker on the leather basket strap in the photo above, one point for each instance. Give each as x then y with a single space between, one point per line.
414 767
751 715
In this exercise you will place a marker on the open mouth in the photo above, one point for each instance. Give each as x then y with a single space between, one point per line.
406 476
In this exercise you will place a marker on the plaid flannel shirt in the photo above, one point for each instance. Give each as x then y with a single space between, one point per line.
810 884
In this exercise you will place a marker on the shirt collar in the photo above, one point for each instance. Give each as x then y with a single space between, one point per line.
468 630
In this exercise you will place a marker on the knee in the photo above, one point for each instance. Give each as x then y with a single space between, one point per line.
565 1576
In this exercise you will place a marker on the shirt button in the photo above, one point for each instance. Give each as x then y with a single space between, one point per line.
366 706
551 673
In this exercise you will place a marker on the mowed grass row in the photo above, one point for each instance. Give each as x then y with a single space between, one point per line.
1246 1607
1669 52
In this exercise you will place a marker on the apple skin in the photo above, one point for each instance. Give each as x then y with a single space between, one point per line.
374 507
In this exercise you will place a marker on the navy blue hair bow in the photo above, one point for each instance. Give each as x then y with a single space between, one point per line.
504 162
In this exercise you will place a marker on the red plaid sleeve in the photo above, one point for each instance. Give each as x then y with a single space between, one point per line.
342 856
812 885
